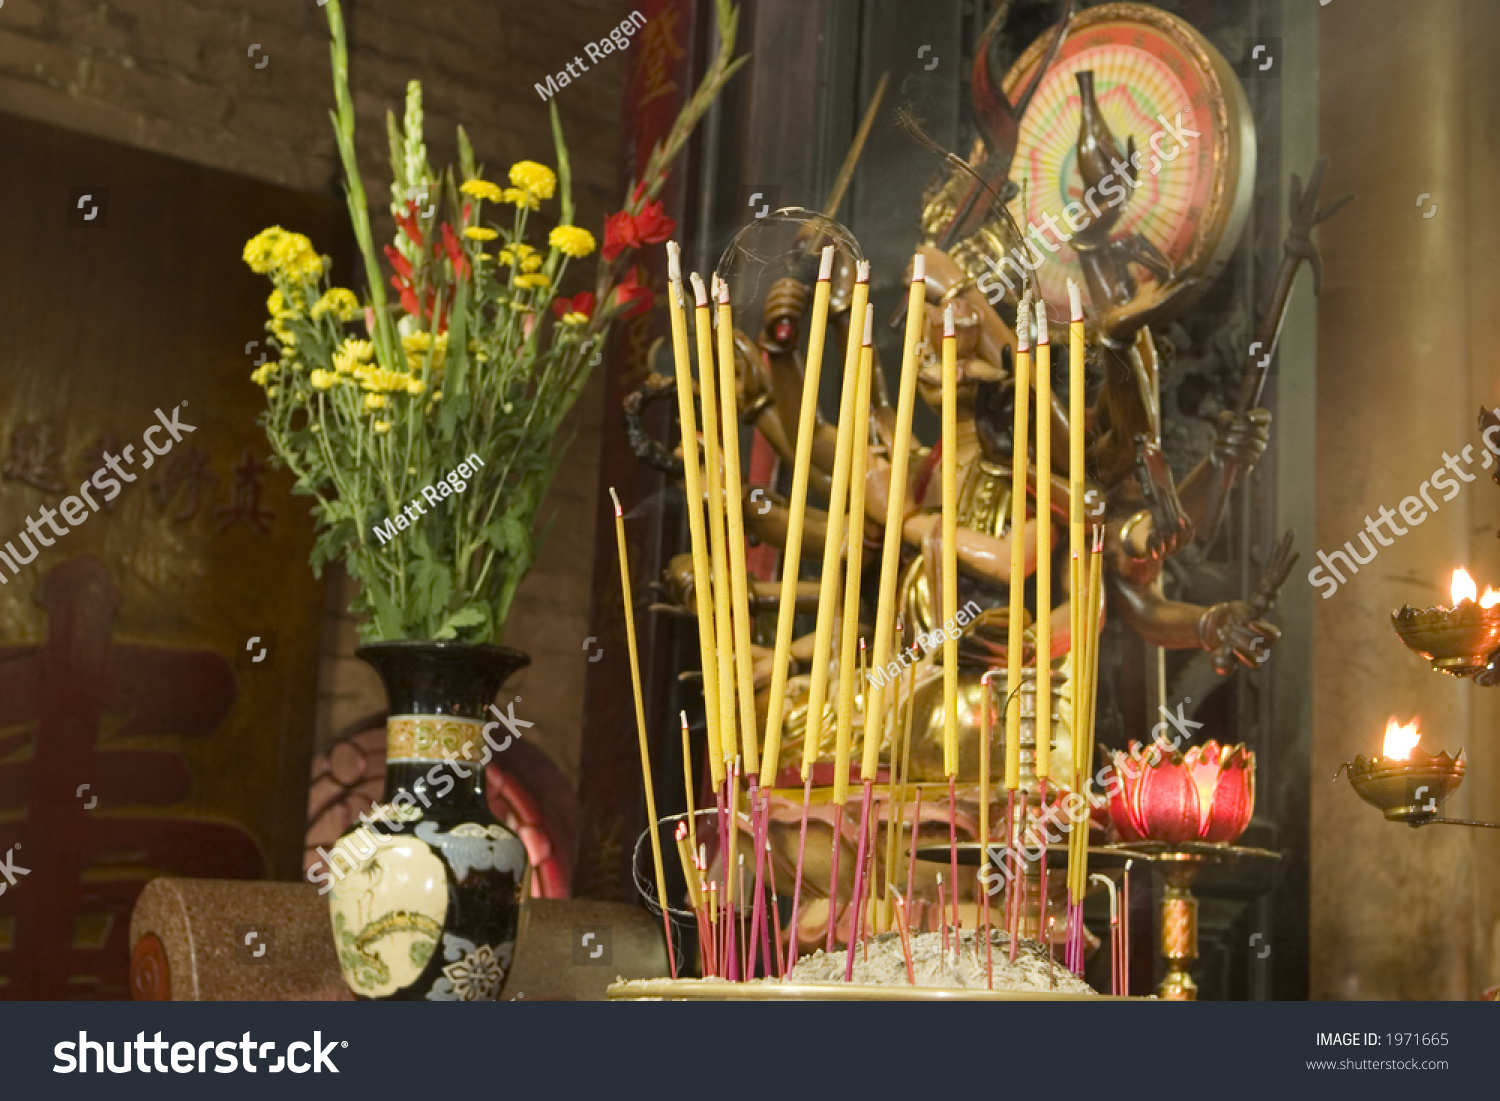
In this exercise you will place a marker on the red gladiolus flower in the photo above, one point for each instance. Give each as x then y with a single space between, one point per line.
400 263
652 224
634 295
623 230
583 303
619 235
1205 794
408 223
455 252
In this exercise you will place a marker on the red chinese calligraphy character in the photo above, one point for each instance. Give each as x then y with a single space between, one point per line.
659 46
244 496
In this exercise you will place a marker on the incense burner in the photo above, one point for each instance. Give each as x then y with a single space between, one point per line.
1458 640
1410 790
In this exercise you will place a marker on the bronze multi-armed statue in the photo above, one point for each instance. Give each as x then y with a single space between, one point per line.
970 241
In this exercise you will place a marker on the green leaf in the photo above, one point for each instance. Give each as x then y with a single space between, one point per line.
471 616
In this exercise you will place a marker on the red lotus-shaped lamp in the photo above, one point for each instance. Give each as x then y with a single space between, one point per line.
1205 794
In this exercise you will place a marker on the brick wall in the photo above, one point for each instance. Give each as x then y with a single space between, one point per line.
243 85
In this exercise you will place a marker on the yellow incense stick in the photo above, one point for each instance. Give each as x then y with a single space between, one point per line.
693 486
791 561
1043 630
718 552
849 640
1015 643
950 546
640 707
833 540
1076 545
739 577
890 560
687 776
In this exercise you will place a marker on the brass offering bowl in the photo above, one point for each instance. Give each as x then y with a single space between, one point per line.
1457 640
1410 790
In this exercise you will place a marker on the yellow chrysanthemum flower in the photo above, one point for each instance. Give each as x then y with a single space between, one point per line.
322 380
344 363
481 189
293 257
415 386
260 249
538 179
574 241
531 263
262 373
574 318
272 391
375 401
378 379
284 336
520 197
416 343
480 233
381 426
338 301
362 350
533 279
282 308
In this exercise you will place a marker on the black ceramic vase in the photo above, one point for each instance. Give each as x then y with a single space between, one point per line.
427 887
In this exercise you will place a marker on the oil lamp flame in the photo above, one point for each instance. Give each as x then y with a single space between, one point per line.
1400 740
1463 587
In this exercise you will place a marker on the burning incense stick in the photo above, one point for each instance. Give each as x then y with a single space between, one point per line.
851 646
950 546
1016 639
640 728
739 578
885 614
722 706
848 645
796 513
688 782
707 640
911 974
833 556
1043 628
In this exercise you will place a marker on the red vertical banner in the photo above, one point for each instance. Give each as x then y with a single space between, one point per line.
664 64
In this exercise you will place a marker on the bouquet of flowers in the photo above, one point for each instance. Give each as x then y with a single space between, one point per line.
427 429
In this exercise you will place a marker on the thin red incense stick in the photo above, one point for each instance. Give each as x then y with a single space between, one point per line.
859 875
911 972
759 807
792 945
942 920
866 921
911 861
1041 922
745 950
1125 932
833 874
732 898
721 796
